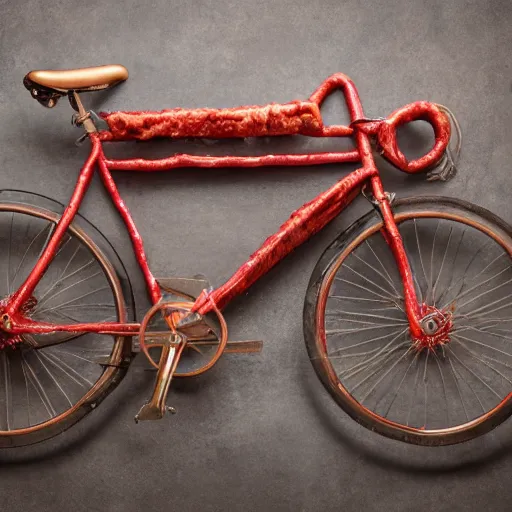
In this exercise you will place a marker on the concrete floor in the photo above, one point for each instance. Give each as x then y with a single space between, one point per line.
257 432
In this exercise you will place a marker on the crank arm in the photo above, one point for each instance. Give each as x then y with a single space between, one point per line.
155 409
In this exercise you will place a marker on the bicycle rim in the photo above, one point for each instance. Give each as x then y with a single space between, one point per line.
49 382
357 332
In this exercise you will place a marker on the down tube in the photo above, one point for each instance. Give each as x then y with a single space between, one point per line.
303 223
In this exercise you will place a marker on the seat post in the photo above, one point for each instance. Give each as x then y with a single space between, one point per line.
83 117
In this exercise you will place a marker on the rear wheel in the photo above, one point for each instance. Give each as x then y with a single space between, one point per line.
357 332
49 382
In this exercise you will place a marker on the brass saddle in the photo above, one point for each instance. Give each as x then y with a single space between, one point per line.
47 86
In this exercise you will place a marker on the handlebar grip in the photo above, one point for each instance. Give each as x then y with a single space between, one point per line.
421 110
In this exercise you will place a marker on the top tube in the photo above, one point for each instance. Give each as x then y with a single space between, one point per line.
294 118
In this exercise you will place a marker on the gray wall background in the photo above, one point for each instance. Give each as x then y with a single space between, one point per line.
257 432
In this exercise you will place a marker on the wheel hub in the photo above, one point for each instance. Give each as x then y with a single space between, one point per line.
436 326
6 338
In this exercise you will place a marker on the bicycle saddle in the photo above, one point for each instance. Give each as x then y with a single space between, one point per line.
47 86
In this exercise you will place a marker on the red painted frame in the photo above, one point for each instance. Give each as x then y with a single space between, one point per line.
302 224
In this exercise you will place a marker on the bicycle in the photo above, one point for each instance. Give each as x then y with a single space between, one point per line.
405 313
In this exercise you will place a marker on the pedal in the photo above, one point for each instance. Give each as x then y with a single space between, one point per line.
151 412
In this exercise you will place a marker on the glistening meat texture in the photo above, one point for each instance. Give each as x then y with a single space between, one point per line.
298 117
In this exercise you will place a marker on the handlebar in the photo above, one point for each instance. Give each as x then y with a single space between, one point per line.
422 110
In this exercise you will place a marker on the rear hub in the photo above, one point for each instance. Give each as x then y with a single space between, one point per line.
6 338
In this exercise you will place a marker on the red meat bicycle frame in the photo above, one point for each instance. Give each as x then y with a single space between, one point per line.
299 117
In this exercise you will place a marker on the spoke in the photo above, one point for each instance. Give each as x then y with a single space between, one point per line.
70 337
479 285
369 315
489 358
71 258
387 294
462 278
413 392
75 355
27 250
419 253
53 378
485 293
473 328
9 243
442 265
390 281
40 389
377 272
430 287
80 306
491 304
417 286
57 313
72 370
52 227
400 385
425 384
78 298
376 364
407 352
63 348
28 394
475 356
356 354
491 322
63 278
481 344
450 285
364 342
458 387
7 382
52 358
364 365
374 326
473 373
470 388
356 299
394 308
388 299
70 286
444 387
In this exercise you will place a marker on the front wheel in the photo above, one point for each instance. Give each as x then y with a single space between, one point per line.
357 333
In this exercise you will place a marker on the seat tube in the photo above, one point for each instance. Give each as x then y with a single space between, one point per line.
84 180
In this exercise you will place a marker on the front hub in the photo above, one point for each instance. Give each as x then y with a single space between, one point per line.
436 325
